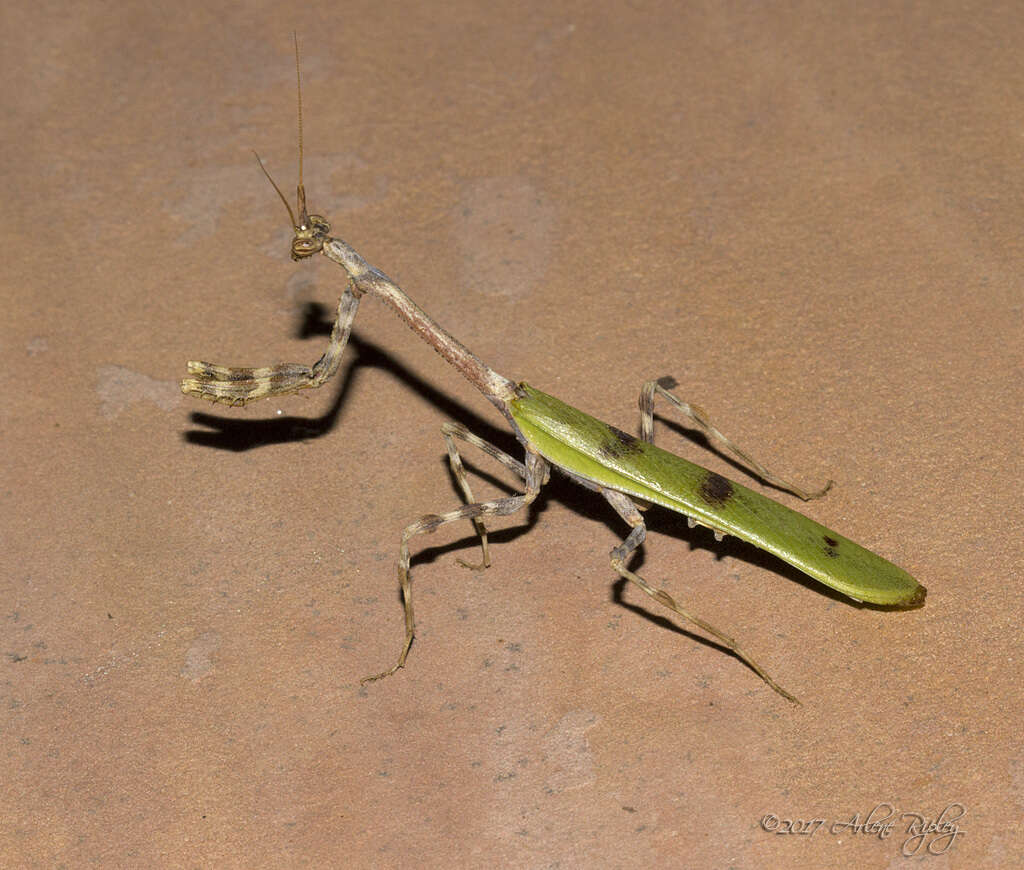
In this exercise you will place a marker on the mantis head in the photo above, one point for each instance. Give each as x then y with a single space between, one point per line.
311 230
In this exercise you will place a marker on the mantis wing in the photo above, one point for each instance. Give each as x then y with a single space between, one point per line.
598 452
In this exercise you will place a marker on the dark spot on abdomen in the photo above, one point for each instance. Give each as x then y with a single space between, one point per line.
620 444
715 489
831 546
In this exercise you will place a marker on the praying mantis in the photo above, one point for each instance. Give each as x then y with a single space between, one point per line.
630 473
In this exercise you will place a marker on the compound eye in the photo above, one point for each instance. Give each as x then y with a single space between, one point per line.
319 225
305 248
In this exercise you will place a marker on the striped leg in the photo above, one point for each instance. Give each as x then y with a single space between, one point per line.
235 385
450 431
535 475
620 556
699 416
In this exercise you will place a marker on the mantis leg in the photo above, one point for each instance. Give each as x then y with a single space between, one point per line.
625 508
448 430
535 474
699 416
235 385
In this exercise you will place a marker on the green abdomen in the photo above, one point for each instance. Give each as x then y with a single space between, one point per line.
599 452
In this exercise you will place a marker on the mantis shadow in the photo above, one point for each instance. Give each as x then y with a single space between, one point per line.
238 435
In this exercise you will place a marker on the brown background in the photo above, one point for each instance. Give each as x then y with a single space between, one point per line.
810 214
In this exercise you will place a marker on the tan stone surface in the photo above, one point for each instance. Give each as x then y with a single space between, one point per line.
811 216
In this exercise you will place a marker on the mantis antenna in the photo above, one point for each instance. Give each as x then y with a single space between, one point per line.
301 190
310 230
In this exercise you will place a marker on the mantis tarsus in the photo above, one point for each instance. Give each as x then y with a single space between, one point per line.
629 472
